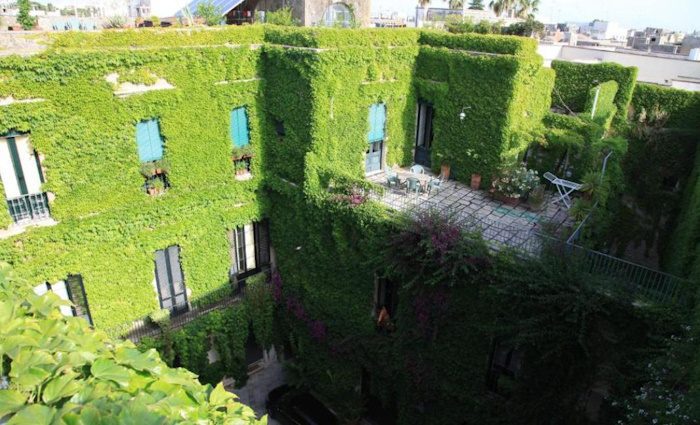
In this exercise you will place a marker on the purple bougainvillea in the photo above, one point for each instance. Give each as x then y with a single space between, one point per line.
317 328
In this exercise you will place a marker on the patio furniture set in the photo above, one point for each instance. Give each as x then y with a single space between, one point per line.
416 182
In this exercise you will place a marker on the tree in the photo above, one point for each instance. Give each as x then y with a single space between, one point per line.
476 5
24 18
57 369
455 4
529 28
423 3
501 6
281 16
210 13
527 8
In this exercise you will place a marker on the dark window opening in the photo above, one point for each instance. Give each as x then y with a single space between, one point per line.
170 281
253 352
504 366
279 128
385 303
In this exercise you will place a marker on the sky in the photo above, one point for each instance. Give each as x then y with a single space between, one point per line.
682 15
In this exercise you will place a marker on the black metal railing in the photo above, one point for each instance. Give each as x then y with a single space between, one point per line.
183 314
30 207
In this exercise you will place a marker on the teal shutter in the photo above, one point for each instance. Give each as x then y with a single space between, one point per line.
150 144
377 122
156 140
239 127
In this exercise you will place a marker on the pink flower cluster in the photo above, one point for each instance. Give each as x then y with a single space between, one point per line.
317 328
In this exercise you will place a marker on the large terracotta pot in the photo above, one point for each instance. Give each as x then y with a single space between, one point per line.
445 171
476 181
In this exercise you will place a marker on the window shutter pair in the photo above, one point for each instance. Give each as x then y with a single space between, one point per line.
73 290
150 144
377 122
239 127
170 280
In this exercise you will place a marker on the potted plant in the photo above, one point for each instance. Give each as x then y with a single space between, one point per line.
161 166
242 152
476 181
148 169
156 187
591 184
241 168
513 183
536 198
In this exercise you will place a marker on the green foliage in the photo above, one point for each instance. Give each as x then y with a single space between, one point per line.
458 25
114 22
60 370
209 13
603 95
108 227
476 4
282 16
24 18
138 76
528 28
574 81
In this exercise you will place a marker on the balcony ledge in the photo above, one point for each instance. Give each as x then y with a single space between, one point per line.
18 228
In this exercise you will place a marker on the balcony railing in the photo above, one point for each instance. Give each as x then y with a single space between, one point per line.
29 207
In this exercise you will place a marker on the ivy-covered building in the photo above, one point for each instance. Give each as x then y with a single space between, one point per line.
165 170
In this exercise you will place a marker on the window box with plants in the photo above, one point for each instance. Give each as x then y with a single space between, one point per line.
155 168
513 184
245 152
242 169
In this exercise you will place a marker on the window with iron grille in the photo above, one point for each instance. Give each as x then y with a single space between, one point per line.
249 249
170 280
22 179
73 290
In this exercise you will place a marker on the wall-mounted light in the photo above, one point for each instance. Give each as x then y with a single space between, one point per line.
463 115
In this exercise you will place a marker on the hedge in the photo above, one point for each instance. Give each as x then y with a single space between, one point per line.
574 81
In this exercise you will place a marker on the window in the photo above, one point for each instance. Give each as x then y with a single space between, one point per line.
504 366
249 249
22 177
150 144
239 128
385 304
172 293
72 290
279 128
338 14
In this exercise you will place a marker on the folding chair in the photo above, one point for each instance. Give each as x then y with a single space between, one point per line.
564 187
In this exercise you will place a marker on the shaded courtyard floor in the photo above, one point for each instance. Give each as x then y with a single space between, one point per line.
500 224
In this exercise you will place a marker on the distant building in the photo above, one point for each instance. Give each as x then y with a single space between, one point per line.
690 42
308 12
655 40
605 30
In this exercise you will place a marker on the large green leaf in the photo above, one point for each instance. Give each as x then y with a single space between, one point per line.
59 388
109 370
11 401
140 361
219 397
36 414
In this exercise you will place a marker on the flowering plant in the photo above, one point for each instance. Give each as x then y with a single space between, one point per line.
516 182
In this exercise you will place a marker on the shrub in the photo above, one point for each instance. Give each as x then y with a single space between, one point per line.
282 17
27 21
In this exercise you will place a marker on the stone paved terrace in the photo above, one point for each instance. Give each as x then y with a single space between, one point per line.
500 224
